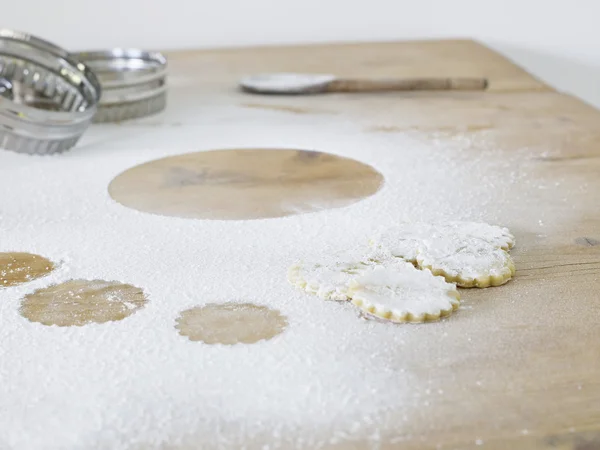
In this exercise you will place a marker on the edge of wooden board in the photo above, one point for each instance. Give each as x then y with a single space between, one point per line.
481 52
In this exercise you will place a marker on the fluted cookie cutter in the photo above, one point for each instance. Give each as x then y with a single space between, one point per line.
6 88
134 82
49 98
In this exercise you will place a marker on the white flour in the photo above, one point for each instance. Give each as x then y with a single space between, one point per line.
137 383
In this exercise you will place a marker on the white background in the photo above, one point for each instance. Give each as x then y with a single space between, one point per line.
557 40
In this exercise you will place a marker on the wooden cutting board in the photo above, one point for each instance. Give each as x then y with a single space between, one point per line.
516 366
530 377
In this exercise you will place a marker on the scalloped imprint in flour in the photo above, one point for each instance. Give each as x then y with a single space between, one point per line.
469 254
18 268
403 294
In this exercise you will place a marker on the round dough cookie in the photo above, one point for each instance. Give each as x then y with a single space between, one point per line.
470 254
403 241
499 237
329 280
468 262
403 294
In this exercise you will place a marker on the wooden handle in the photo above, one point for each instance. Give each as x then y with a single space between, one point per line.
410 84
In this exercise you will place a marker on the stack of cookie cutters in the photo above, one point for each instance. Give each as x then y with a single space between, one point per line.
49 96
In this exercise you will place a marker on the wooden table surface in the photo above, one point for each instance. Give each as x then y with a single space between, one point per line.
516 367
523 371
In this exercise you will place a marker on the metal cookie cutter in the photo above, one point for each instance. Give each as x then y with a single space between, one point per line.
134 82
48 99
6 88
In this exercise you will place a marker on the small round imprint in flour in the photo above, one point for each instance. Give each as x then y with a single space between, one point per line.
81 302
18 268
230 323
242 184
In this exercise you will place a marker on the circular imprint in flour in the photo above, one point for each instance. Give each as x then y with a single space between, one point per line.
230 323
81 302
18 268
240 184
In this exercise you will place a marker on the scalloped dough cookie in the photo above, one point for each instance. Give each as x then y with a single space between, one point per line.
330 280
381 287
470 254
403 294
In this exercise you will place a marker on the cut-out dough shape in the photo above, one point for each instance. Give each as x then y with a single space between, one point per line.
385 288
81 302
330 280
469 254
18 268
230 323
402 293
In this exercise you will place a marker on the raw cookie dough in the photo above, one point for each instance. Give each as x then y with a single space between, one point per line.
403 294
330 278
469 254
381 286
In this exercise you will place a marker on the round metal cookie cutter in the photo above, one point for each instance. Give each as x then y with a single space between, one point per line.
6 88
134 82
48 100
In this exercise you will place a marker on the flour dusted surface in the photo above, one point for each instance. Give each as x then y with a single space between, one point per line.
137 383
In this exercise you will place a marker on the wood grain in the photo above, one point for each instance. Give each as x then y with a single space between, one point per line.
407 84
76 303
18 268
230 323
518 366
239 184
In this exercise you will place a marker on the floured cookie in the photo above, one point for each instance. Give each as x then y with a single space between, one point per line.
381 286
469 254
494 235
402 293
330 278
467 262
